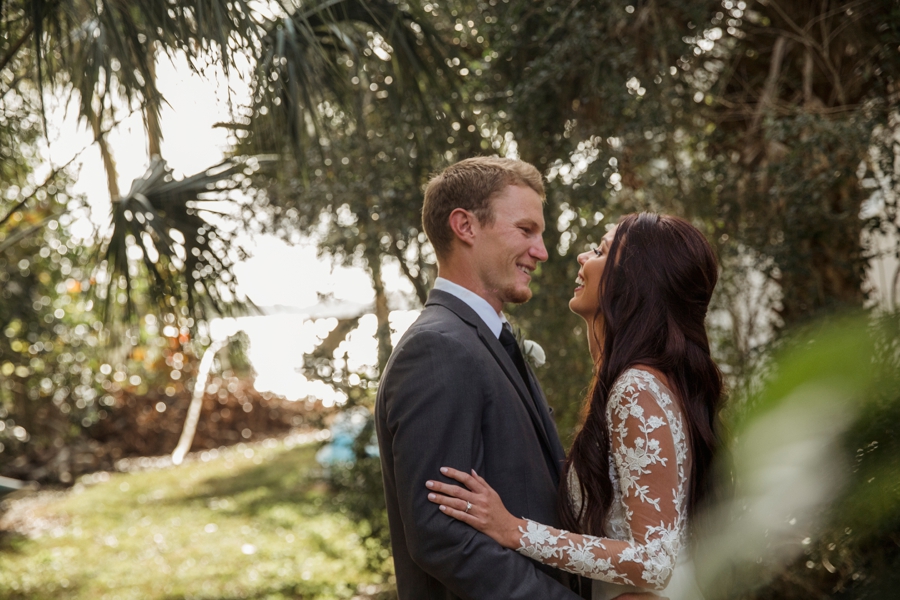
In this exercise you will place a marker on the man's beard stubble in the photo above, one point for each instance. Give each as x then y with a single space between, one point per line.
515 295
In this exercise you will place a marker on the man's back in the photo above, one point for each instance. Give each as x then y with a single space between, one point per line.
449 397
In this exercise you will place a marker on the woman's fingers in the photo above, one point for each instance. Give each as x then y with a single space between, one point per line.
478 506
464 478
479 478
449 490
459 515
455 507
461 503
448 501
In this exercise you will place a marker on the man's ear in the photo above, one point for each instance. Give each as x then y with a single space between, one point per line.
464 225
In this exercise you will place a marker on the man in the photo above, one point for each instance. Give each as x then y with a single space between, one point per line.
453 395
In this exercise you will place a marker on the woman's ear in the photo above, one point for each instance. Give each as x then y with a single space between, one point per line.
464 225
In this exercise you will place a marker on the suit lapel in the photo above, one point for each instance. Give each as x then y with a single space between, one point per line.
540 421
556 448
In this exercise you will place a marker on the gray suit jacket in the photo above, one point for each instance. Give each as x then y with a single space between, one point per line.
451 396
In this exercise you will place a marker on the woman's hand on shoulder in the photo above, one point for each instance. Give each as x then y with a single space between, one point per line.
477 505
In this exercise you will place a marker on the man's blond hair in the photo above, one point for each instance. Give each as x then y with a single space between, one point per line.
471 184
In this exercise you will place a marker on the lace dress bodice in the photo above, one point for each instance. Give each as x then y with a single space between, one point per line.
649 466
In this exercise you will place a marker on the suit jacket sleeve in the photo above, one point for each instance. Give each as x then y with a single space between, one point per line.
434 402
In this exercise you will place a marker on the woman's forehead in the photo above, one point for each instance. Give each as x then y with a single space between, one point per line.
608 237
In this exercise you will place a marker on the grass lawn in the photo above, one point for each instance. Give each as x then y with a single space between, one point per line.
248 522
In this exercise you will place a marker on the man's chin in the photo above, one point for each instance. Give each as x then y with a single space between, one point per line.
517 295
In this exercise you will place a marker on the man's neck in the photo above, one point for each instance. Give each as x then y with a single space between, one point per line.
464 278
489 315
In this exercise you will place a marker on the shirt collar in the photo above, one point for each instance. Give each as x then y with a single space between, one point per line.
482 307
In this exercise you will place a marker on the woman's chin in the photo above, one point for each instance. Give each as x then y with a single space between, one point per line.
575 305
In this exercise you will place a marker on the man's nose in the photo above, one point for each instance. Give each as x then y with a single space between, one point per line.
539 251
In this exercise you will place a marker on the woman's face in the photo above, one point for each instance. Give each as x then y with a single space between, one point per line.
586 299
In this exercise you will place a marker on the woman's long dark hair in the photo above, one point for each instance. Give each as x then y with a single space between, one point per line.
654 293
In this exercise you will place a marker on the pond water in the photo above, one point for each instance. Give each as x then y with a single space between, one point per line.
278 343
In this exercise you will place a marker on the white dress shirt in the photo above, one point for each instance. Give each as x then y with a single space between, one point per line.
482 307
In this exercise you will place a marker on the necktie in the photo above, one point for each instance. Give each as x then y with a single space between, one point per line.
508 340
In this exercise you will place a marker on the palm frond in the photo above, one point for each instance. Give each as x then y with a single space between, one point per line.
321 56
103 46
187 260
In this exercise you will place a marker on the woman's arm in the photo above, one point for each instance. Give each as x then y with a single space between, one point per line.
649 452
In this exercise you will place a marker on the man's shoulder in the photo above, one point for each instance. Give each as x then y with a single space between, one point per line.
437 332
439 324
434 343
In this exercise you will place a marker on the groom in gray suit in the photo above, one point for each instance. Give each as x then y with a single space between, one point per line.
457 392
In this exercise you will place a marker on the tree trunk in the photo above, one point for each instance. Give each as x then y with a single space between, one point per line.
109 163
825 271
193 416
151 114
383 332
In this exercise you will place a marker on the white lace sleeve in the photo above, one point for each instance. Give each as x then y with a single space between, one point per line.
649 455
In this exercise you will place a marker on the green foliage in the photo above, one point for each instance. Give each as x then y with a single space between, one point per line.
235 356
694 108
102 55
857 553
323 64
48 340
103 49
816 471
359 491
60 369
247 522
379 87
318 71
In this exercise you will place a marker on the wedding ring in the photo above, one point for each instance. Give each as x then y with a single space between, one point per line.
468 506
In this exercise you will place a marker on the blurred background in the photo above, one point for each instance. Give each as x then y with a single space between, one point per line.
210 241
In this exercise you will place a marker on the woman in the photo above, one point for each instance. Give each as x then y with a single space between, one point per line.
640 465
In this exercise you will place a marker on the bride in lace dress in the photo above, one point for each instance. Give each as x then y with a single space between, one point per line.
640 464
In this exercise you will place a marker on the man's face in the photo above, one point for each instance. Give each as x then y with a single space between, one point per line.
509 249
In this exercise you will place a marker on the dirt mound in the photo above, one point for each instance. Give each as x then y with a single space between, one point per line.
150 425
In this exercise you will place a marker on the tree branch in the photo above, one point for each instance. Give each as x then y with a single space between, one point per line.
15 238
808 72
418 284
770 89
56 172
807 39
14 49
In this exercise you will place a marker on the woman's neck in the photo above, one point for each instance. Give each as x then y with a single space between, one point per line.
595 341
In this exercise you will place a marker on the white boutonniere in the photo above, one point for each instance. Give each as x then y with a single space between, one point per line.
534 353
531 350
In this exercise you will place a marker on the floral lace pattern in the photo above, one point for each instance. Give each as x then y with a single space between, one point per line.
648 466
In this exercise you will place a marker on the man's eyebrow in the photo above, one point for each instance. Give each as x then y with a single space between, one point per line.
530 224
